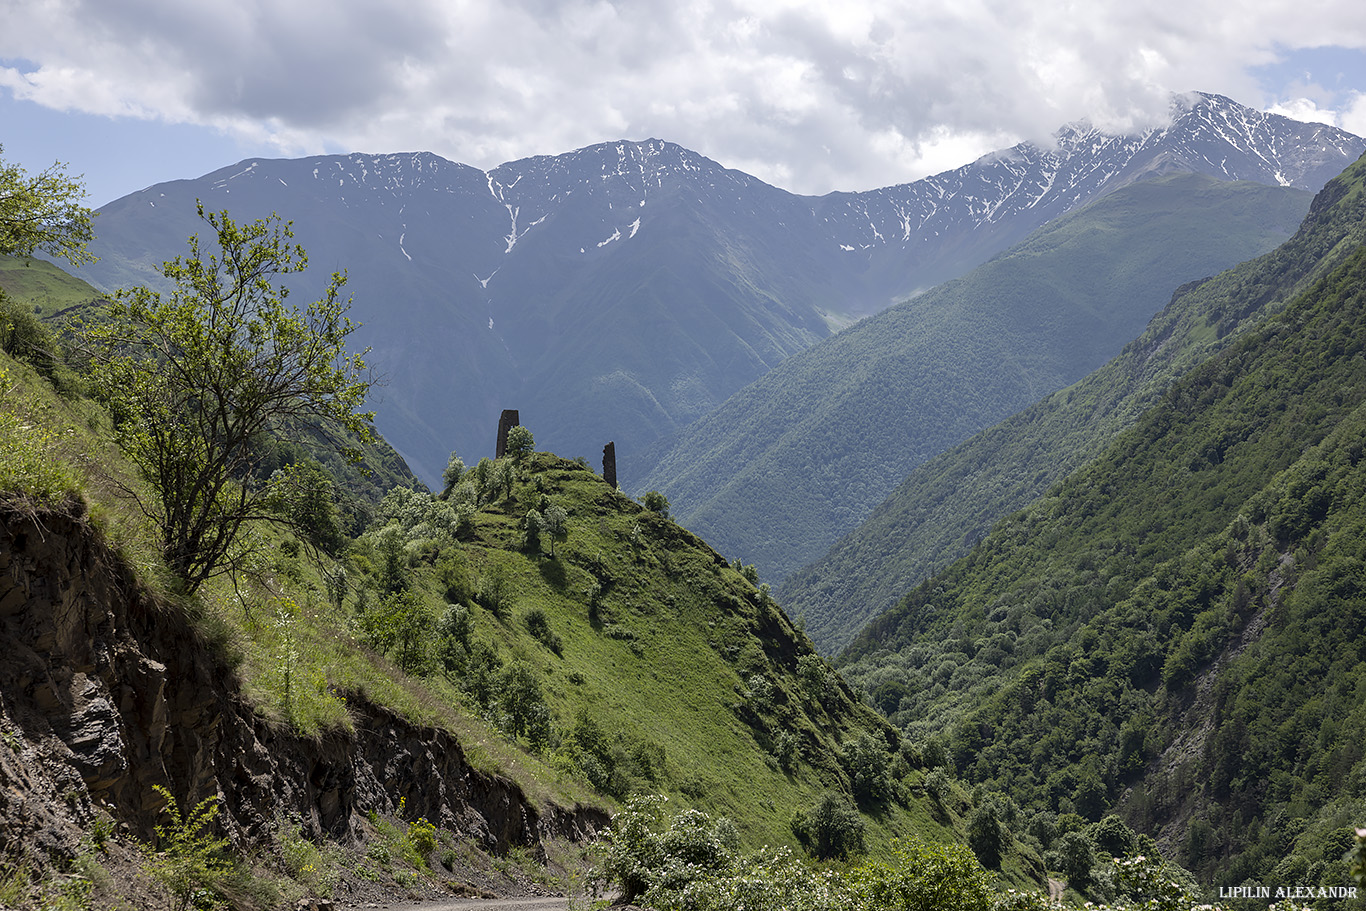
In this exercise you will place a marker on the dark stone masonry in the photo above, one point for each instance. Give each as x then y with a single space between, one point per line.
508 421
609 464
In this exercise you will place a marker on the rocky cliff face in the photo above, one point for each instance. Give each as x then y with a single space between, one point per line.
105 694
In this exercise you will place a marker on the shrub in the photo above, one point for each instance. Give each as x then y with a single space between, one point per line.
785 750
538 624
831 828
421 836
648 859
191 862
923 877
656 502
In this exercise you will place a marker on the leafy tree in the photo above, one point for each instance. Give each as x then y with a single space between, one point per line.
986 835
495 587
1076 857
455 467
555 523
400 624
307 495
392 573
831 828
195 380
865 759
1114 836
501 479
937 785
43 212
532 526
454 628
655 501
481 472
786 749
524 706
538 624
520 443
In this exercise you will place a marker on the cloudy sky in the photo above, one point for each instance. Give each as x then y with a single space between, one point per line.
810 96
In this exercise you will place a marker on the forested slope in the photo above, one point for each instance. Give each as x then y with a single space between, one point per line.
946 505
1177 631
801 456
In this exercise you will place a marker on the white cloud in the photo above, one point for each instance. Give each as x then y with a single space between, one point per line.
1353 118
1305 109
809 95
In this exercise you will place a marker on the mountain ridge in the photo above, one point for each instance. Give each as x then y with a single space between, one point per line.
785 466
624 290
942 507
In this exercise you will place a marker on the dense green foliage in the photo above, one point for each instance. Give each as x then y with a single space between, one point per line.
43 212
800 457
194 380
688 861
1175 631
946 505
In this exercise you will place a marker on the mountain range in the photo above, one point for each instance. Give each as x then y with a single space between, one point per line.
798 458
1141 600
623 291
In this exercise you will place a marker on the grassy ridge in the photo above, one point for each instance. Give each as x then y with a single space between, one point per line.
43 287
673 653
943 507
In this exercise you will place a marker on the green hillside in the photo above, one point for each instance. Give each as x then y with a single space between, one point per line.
634 628
43 287
1176 632
944 506
614 654
800 457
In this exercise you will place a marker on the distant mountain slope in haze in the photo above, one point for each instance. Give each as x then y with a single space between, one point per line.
950 502
623 291
798 458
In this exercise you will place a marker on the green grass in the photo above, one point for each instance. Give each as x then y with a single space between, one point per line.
669 654
43 287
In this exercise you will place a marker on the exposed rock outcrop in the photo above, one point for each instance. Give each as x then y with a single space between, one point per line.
105 694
